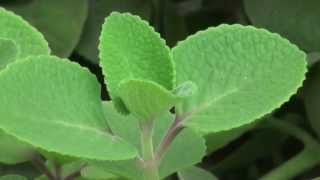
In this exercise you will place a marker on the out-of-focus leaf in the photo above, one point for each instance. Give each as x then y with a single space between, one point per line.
98 10
60 21
294 19
195 173
12 177
313 58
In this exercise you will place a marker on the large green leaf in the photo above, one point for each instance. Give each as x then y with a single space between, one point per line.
27 39
239 71
146 99
60 21
312 99
130 49
175 159
295 19
98 10
8 52
55 105
194 172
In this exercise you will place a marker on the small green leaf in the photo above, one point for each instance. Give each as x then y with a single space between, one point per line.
8 52
93 172
239 74
131 49
60 21
59 109
27 39
294 19
13 151
145 99
98 10
193 173
12 177
174 160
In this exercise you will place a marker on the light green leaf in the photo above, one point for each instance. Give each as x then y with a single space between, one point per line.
12 177
60 21
8 52
239 71
130 49
98 10
146 99
59 109
312 98
93 172
13 151
186 89
176 157
27 39
294 19
193 173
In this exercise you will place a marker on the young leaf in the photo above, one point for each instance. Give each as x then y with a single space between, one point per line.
27 39
239 74
194 172
13 151
98 10
59 109
60 21
12 177
8 52
174 160
294 19
146 99
131 49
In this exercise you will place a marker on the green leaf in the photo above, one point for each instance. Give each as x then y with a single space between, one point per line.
26 38
175 159
60 21
59 109
312 99
146 99
93 172
98 10
130 49
313 58
294 19
194 172
8 52
239 74
13 151
12 177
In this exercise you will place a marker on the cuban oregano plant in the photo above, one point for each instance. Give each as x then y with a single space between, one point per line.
163 100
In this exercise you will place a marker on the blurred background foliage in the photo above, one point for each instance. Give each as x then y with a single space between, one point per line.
272 144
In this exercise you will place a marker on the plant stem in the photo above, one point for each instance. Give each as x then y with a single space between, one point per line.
75 174
150 164
57 170
306 159
39 163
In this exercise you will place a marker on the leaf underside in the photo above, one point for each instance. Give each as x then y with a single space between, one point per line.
55 105
239 71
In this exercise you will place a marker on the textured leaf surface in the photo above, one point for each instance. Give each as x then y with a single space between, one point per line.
60 21
145 99
239 74
13 151
59 109
130 49
193 173
28 40
98 10
8 52
12 177
297 20
312 99
176 157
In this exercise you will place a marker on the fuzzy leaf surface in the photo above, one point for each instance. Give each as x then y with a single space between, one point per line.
239 71
131 49
59 109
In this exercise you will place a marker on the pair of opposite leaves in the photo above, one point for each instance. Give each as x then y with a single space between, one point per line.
241 73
